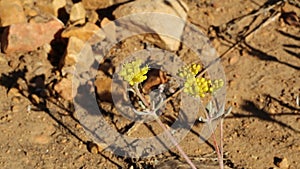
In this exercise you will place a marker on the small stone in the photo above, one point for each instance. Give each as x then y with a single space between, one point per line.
96 4
13 92
93 147
281 162
74 47
47 48
78 13
16 100
92 16
64 89
109 28
11 12
35 99
84 33
78 126
51 7
29 36
234 59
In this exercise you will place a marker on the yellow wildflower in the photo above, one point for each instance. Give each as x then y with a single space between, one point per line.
132 73
198 86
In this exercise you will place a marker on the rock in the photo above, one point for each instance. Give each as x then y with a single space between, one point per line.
234 59
109 28
74 47
96 4
281 163
64 88
84 32
14 92
35 99
11 12
92 16
78 13
51 7
2 59
30 12
93 148
28 36
155 21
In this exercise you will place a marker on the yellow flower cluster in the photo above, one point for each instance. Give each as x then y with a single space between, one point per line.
188 70
198 86
132 73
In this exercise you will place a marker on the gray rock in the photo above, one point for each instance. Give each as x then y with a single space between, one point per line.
165 18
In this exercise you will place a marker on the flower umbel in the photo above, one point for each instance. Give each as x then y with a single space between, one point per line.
133 73
198 86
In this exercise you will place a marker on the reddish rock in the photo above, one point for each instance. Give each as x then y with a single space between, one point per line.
28 36
64 89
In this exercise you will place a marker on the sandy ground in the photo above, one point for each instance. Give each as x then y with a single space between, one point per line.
263 81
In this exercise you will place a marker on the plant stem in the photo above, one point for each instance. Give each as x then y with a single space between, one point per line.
136 88
221 140
220 157
173 140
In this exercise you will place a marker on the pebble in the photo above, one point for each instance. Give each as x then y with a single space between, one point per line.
13 92
74 47
11 12
234 59
51 6
109 28
84 32
92 16
64 88
97 4
29 36
93 148
35 99
78 13
281 163
16 100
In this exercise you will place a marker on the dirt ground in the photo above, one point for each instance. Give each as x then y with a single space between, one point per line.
259 43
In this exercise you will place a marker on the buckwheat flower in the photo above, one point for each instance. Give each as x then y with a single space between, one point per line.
216 84
133 73
198 86
194 69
